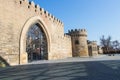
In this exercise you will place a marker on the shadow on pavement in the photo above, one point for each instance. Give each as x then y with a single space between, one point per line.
100 70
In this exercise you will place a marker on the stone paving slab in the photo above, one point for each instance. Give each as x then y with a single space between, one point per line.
92 70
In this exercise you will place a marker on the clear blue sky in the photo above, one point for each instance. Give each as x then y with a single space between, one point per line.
99 17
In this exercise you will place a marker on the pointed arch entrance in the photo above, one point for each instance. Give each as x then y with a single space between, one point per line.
34 41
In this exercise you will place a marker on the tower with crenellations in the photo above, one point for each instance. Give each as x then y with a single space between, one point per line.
79 42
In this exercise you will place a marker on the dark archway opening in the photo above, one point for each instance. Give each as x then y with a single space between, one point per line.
36 43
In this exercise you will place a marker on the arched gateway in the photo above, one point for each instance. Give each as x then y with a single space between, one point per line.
34 42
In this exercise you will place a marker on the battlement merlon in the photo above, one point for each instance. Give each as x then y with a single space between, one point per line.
80 32
37 8
77 30
92 42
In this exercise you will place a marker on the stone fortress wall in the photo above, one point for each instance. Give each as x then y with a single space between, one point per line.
17 16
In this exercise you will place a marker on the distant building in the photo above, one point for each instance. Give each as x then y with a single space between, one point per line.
30 33
100 50
92 48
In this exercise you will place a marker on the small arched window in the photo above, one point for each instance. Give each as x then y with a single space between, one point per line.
20 2
76 42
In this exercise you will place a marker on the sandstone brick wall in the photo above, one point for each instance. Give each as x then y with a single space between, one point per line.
92 47
79 42
16 16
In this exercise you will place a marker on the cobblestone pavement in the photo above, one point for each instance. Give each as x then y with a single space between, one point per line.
89 70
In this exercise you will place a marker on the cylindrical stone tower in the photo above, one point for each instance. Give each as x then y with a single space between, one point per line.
79 42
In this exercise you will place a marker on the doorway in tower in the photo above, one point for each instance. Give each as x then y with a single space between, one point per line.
36 43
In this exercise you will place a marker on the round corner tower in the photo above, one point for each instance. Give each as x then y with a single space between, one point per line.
79 42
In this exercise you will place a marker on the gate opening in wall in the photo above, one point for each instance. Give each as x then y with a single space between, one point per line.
36 43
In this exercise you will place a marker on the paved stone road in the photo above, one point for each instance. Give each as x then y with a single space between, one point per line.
92 70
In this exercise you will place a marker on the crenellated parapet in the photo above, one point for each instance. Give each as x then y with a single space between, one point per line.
77 32
92 42
40 11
